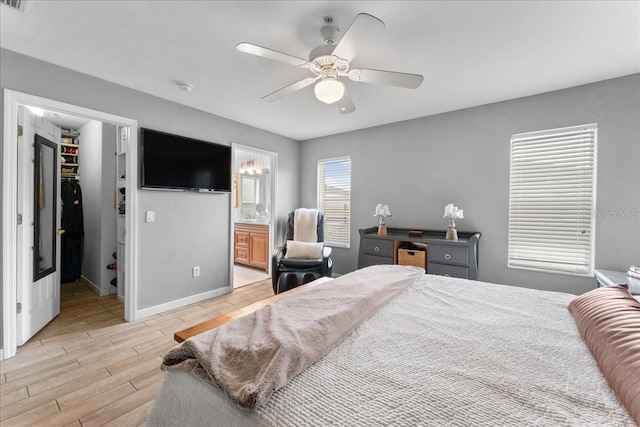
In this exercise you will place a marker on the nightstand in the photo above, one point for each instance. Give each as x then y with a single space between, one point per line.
612 278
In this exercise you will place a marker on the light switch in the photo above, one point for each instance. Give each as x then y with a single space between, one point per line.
150 216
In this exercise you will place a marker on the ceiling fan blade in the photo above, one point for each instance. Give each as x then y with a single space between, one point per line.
300 84
271 54
345 105
363 29
390 78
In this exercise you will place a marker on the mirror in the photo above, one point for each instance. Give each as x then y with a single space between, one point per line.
44 206
249 195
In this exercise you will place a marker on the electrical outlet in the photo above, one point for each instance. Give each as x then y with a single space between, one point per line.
150 216
195 271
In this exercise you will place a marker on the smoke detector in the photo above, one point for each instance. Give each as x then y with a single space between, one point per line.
185 87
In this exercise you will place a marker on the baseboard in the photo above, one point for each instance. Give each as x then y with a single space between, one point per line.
1 354
157 309
95 288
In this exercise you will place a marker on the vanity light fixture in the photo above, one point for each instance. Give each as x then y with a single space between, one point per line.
249 168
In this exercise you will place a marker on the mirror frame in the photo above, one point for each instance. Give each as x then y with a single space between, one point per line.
39 142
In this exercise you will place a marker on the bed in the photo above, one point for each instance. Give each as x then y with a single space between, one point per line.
442 351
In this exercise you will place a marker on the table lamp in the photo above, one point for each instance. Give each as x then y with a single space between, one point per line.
452 212
383 212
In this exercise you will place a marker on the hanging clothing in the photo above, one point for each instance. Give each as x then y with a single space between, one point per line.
72 222
72 216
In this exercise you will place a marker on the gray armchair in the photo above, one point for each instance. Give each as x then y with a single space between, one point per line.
287 273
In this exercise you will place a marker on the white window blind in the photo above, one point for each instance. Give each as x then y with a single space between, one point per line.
552 200
334 199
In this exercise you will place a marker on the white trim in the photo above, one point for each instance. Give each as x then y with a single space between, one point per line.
171 305
131 312
95 288
1 355
9 209
9 223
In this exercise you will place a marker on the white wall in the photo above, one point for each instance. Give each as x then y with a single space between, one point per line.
462 157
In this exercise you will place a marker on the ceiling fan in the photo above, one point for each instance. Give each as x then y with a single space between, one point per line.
331 61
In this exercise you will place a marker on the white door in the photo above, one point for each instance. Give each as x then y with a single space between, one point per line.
39 203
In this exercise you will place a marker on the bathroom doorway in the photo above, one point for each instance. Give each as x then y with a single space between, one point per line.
253 213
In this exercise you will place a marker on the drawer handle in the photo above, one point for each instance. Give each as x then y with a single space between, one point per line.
447 256
377 249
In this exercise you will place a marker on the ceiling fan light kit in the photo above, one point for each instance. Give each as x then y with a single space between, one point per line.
329 90
331 61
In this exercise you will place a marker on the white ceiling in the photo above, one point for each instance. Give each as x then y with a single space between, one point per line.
470 52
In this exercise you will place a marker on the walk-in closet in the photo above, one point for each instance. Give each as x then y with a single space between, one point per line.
91 203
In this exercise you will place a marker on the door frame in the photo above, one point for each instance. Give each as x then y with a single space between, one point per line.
273 215
9 205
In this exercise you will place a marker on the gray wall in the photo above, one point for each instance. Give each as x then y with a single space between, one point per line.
190 229
462 157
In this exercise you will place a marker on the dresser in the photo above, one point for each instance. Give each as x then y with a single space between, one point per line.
443 257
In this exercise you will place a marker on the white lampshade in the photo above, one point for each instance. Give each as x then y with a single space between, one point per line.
329 90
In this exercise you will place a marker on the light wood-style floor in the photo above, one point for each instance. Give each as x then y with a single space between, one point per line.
88 367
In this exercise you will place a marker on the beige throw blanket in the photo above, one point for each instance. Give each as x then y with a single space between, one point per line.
305 225
259 353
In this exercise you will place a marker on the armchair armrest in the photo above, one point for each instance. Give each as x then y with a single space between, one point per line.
327 262
276 257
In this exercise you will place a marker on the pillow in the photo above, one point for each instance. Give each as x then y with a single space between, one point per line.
304 250
608 319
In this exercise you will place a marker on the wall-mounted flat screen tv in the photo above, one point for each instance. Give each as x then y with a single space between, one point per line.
175 162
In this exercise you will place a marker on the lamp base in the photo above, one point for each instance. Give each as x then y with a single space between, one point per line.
452 234
382 230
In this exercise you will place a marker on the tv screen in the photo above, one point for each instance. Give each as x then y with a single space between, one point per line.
180 163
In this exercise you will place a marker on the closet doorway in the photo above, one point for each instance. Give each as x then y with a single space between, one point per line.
62 125
253 213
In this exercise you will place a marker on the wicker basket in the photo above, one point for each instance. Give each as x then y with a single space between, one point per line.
412 257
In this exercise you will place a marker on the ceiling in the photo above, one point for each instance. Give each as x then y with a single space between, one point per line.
470 52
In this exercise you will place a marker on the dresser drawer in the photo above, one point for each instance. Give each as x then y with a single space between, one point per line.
448 254
368 260
378 247
448 270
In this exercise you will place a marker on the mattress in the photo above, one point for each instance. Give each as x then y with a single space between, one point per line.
445 352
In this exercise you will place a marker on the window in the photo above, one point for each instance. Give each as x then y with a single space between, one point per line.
334 199
552 200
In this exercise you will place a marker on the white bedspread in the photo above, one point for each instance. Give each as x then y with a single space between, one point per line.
446 352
